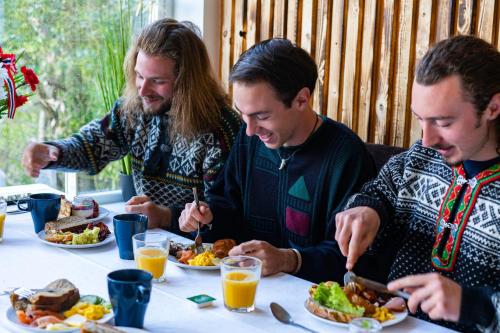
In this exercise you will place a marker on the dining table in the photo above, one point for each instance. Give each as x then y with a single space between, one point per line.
27 261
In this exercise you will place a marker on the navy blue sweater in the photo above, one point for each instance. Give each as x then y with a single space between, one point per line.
296 206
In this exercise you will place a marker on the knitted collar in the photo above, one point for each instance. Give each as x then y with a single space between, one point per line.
454 213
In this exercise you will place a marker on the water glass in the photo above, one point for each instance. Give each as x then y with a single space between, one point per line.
151 253
364 325
3 209
240 277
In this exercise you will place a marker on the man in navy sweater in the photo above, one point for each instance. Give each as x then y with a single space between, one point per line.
289 172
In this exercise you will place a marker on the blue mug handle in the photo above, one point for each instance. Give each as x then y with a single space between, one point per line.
24 201
142 294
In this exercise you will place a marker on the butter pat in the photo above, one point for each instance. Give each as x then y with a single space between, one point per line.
202 300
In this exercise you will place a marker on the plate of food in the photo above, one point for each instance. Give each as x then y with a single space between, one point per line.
335 305
75 232
82 206
57 306
186 257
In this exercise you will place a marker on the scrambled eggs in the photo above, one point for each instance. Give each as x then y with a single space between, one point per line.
88 236
382 314
203 259
89 311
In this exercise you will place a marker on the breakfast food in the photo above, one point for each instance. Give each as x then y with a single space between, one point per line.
57 296
222 247
65 209
59 306
81 206
75 230
70 223
210 257
330 301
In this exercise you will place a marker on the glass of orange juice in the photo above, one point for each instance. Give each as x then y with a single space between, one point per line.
240 277
3 209
151 253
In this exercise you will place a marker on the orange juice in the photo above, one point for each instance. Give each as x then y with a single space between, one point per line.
151 259
239 289
2 221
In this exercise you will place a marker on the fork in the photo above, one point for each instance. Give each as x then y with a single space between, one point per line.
198 243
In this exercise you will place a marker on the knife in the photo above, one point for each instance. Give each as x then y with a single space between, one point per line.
373 285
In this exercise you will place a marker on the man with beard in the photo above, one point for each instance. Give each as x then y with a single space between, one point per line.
437 206
174 120
289 172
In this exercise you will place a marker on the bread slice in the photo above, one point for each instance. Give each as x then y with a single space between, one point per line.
330 314
70 223
65 210
58 296
93 327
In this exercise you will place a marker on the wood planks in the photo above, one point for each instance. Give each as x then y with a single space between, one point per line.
366 51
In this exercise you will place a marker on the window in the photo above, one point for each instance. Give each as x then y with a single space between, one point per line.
61 42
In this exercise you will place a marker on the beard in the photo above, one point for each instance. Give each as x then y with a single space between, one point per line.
157 109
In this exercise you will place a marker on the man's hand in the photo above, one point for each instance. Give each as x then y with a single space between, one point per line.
37 156
274 260
158 216
191 216
356 229
438 296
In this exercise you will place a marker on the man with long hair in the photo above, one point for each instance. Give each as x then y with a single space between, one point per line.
437 206
173 118
289 172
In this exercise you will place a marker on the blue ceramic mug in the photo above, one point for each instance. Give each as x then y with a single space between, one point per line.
44 207
126 226
129 292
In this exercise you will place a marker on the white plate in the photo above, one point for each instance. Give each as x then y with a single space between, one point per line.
109 239
103 212
14 322
131 329
398 317
174 261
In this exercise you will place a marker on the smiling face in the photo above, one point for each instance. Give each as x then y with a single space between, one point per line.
268 117
451 124
154 79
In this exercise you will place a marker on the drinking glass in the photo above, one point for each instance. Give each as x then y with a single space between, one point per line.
151 252
364 325
240 277
3 209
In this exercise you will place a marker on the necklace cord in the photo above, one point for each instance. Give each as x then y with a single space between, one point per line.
285 160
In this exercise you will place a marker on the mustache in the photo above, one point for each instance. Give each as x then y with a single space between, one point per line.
441 146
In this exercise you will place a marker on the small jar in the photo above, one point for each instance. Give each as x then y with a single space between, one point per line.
83 206
364 325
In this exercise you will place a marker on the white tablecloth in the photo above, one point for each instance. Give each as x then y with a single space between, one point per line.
26 261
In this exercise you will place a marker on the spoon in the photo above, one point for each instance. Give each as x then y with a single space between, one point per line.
282 315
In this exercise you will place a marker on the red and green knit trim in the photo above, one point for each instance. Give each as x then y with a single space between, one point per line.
446 260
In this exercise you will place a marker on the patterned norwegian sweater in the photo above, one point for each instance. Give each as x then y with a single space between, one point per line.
408 196
164 171
296 206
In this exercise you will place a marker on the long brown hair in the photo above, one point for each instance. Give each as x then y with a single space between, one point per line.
197 97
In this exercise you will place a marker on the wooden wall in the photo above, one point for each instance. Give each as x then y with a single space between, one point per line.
366 50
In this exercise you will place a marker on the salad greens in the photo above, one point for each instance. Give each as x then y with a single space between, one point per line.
332 296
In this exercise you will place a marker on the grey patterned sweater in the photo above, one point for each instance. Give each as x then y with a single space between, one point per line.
164 171
408 196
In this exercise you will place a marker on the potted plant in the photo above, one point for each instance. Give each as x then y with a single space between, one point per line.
113 47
